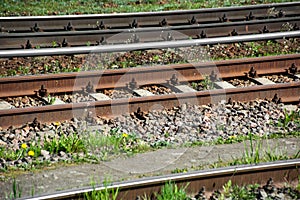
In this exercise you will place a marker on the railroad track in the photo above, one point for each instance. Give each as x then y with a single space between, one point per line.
144 46
174 77
141 35
85 31
281 172
148 19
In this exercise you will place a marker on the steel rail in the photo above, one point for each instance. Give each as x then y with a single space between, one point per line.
144 19
143 46
106 79
82 38
288 92
212 179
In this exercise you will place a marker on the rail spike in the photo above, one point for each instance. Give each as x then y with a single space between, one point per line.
101 41
132 84
163 22
193 20
292 69
250 16
101 25
174 80
252 73
69 27
89 88
64 43
234 32
276 99
213 77
134 24
42 92
202 34
264 30
223 18
35 28
28 45
280 14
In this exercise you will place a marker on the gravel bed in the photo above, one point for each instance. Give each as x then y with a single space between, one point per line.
280 78
157 89
55 64
25 101
241 82
177 126
117 93
75 98
40 65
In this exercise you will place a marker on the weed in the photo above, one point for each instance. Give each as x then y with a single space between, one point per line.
68 144
51 100
170 191
114 143
293 116
177 170
11 72
106 194
16 190
54 44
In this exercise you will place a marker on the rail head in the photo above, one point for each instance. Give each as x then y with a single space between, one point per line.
143 46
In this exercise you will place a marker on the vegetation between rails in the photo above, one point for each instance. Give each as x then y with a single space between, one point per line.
58 64
61 7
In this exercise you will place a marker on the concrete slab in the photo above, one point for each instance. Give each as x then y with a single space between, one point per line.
147 162
185 88
264 81
56 102
159 162
5 105
224 85
290 108
100 96
143 93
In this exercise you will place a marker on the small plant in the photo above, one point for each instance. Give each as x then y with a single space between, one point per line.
207 83
16 190
293 116
11 72
88 43
106 194
51 100
177 170
170 191
54 44
68 144
251 156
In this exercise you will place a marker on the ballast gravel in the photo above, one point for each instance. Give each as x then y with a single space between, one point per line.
177 126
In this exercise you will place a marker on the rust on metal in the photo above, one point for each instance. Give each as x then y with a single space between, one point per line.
278 172
289 92
69 82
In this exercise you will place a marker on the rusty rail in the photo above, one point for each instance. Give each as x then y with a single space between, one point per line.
213 179
69 82
288 92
